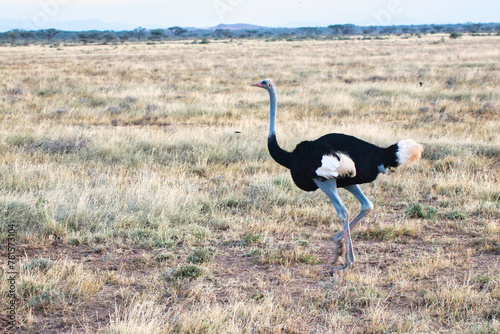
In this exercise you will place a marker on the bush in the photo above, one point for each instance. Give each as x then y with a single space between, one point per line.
455 215
201 255
416 210
40 265
190 271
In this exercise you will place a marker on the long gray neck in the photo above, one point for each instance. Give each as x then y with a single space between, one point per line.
281 156
272 113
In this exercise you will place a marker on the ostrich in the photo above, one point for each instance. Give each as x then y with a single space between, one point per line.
338 161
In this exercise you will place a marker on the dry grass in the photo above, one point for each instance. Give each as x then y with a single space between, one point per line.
145 200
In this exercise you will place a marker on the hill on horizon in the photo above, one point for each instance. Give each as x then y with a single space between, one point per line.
237 26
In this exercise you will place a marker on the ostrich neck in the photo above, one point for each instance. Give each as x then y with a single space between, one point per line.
281 156
272 113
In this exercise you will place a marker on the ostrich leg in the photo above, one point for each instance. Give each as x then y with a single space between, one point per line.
366 206
329 187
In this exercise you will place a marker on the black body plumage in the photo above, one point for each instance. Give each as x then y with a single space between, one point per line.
306 158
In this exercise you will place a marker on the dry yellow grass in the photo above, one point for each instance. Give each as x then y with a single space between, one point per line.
144 199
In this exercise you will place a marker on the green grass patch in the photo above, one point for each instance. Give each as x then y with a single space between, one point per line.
417 210
387 233
455 215
189 271
200 256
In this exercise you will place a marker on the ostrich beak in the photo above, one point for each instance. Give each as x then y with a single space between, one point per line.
257 84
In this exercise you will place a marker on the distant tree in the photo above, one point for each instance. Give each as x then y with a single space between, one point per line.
109 37
157 34
125 36
248 33
335 29
455 35
13 35
84 37
487 28
369 30
437 28
91 37
473 28
224 33
311 31
449 29
388 30
50 33
342 29
27 35
348 29
140 32
177 31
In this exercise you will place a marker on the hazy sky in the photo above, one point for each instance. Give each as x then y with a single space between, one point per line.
204 13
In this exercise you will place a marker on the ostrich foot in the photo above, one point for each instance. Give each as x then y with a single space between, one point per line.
338 251
338 269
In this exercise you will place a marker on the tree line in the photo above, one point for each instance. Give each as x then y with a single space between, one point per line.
339 31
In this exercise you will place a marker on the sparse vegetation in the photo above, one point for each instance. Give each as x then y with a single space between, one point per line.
200 256
417 210
190 271
145 200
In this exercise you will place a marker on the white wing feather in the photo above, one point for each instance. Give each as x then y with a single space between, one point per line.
333 166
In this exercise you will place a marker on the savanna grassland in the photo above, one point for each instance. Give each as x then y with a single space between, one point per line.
144 200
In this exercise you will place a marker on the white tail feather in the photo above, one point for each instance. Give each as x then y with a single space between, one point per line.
333 166
409 151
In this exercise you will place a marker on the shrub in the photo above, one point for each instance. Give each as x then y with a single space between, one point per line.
189 271
388 233
59 145
251 238
200 255
288 254
416 210
455 215
163 257
39 265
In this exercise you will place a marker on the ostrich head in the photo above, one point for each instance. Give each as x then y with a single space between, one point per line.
267 84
